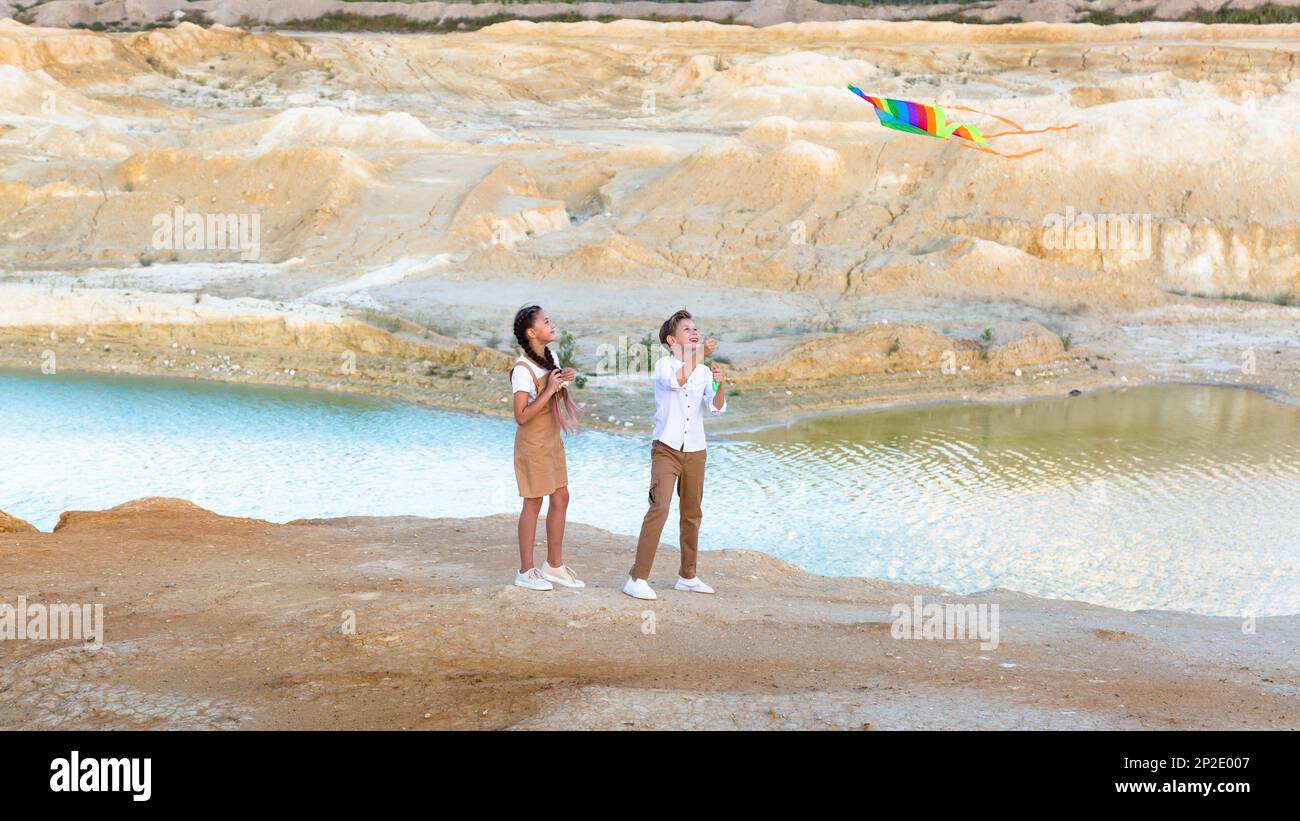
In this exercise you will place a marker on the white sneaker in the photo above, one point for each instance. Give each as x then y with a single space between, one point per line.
639 589
561 575
533 580
692 585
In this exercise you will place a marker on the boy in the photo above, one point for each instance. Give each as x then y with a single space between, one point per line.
677 454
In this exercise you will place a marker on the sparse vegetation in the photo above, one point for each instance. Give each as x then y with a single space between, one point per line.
197 17
564 349
382 319
1284 298
1067 341
648 344
1276 299
1265 15
960 17
986 343
1262 15
897 2
1108 18
415 323
894 347
441 371
349 21
564 355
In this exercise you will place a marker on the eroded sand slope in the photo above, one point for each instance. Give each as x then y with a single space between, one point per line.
738 157
618 171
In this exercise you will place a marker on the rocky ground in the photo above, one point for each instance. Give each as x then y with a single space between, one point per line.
215 622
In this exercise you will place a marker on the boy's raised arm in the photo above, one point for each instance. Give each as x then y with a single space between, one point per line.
701 352
689 368
712 397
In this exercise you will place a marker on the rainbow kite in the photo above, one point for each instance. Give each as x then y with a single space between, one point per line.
915 118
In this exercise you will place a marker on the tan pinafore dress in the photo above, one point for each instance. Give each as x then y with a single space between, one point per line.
540 469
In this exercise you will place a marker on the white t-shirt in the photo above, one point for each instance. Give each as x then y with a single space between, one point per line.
521 381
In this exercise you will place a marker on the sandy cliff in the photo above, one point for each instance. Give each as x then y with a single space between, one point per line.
10 524
616 171
1167 183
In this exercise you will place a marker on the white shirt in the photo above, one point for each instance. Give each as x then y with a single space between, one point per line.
678 422
521 381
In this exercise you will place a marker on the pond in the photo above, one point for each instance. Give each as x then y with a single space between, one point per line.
1169 497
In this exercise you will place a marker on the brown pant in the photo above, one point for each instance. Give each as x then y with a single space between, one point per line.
686 470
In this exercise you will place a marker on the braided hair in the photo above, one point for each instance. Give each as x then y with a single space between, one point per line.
524 319
562 405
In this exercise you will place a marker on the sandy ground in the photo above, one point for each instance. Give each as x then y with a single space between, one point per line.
215 622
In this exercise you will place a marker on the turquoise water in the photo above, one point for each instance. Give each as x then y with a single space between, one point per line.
1170 497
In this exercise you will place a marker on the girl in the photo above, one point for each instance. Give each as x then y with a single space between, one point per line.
542 399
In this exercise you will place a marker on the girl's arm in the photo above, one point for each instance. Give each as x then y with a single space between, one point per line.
525 410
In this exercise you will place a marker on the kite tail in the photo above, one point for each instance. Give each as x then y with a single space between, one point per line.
1018 128
999 153
1034 131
